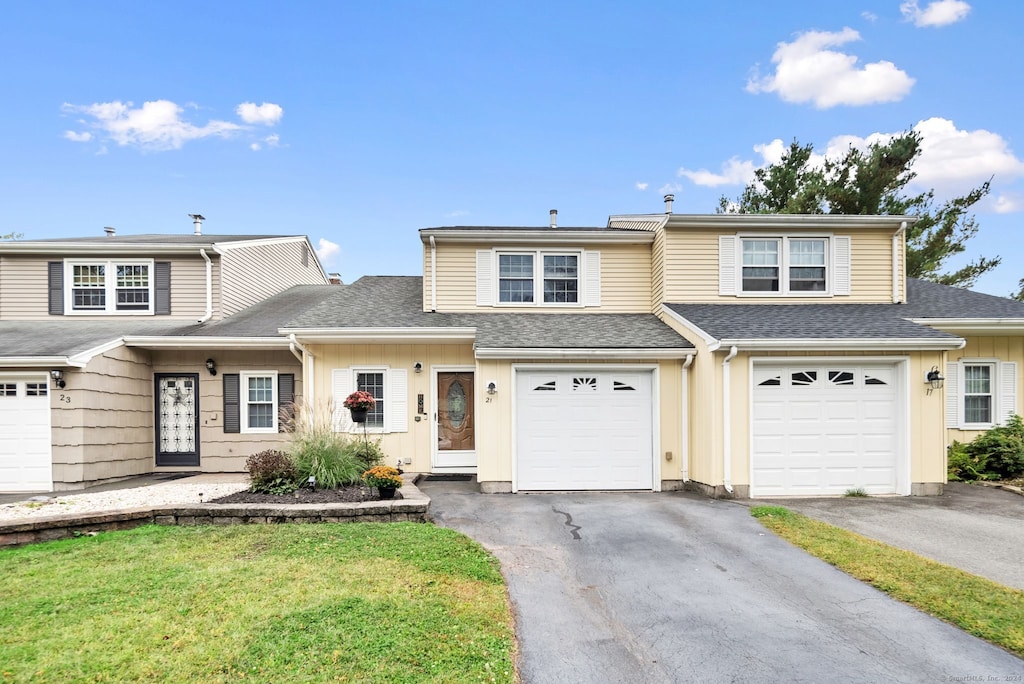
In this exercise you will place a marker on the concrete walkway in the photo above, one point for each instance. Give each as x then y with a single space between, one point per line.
674 587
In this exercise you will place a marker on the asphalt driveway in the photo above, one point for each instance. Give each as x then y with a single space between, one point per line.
971 527
674 587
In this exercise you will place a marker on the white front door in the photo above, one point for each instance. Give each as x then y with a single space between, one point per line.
454 419
25 452
825 428
584 429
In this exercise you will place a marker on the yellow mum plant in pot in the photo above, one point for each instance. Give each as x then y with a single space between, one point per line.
384 478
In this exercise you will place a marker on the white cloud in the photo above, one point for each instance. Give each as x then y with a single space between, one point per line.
937 13
457 213
806 71
670 189
267 113
84 136
327 250
255 147
869 16
273 140
1008 204
641 186
156 125
951 160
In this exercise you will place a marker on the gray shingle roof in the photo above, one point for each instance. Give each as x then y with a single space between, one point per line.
67 338
805 321
569 229
156 238
397 302
930 300
267 317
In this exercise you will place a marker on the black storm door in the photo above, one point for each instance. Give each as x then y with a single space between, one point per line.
177 419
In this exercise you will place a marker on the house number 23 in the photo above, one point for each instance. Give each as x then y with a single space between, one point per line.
64 399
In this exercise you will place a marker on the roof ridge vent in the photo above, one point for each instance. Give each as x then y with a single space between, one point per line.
110 231
668 203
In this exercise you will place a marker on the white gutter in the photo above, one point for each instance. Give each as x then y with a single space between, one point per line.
390 334
581 353
727 421
306 358
36 361
1000 325
684 450
209 287
295 347
208 342
859 344
896 299
433 274
542 235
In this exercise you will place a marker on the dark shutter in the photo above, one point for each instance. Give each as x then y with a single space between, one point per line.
232 416
162 289
285 401
56 269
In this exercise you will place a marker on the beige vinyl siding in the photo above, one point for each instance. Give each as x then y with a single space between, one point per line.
253 273
1004 348
625 278
24 288
219 451
416 443
102 421
691 267
658 270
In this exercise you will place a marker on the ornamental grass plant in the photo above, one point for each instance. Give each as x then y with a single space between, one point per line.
334 459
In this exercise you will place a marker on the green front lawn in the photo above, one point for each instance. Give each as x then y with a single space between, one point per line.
977 605
400 602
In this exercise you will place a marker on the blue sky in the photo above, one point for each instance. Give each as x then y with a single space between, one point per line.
359 123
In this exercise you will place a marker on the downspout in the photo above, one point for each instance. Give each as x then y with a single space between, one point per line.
306 358
726 421
684 450
896 262
209 287
433 275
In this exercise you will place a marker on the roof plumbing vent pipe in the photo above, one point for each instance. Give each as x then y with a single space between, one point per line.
198 219
668 203
109 231
554 218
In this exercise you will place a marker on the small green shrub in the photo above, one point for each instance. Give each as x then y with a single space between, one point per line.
318 451
1001 448
771 512
369 453
858 492
271 472
965 467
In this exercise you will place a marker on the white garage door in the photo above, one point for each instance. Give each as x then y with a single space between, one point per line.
584 429
25 434
824 429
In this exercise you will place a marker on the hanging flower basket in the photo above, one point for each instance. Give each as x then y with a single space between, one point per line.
359 403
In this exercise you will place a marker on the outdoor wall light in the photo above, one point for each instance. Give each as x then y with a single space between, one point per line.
211 366
491 388
934 379
417 367
58 378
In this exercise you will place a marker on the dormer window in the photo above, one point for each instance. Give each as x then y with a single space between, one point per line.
784 265
104 287
538 277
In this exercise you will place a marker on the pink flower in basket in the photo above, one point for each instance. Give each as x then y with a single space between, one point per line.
359 401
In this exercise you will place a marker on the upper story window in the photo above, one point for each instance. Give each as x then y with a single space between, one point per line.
538 277
784 265
108 287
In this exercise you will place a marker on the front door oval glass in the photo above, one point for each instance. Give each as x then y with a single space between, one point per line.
456 404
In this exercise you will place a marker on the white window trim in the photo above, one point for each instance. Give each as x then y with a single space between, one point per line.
538 277
994 390
357 428
110 287
243 401
784 264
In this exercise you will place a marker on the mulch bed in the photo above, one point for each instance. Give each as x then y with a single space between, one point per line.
354 494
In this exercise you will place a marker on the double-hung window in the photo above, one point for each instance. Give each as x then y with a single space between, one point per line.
559 281
109 287
372 382
784 265
258 401
979 395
